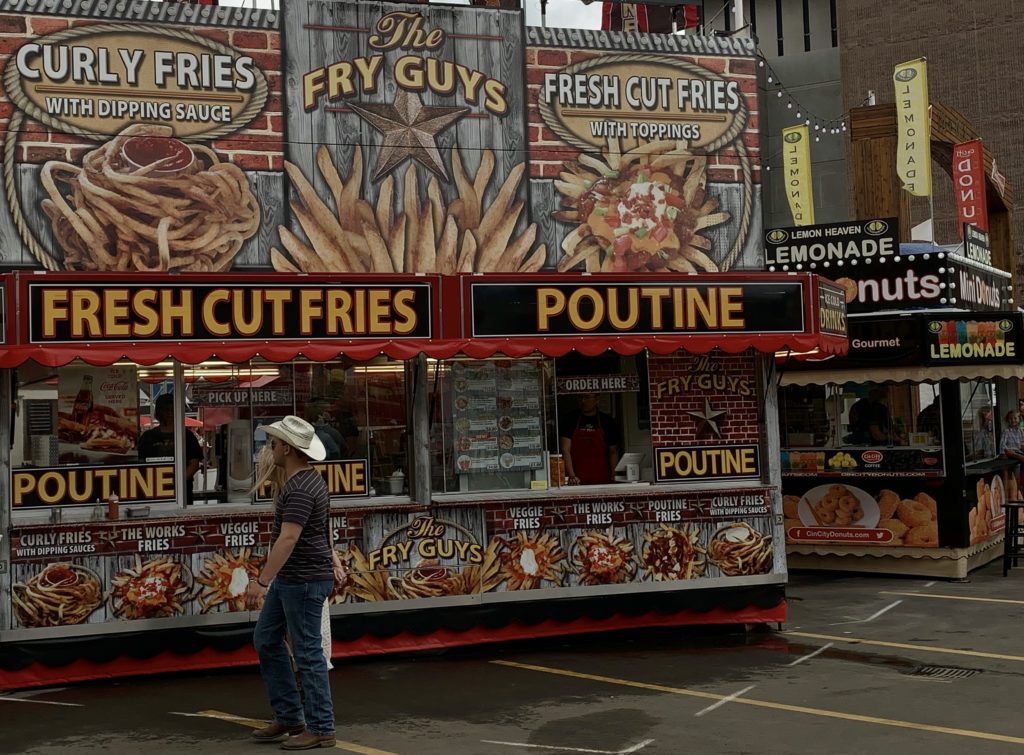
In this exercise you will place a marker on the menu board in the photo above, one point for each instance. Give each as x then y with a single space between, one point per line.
863 462
496 409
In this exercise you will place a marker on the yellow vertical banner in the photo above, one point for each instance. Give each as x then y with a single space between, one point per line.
914 131
796 161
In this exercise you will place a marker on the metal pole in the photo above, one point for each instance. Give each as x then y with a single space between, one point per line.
179 433
419 438
6 420
543 13
738 15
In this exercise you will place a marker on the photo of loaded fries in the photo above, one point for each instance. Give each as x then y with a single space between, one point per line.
674 553
604 558
637 211
225 576
528 560
152 589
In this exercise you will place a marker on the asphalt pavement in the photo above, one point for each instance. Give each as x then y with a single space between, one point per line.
865 664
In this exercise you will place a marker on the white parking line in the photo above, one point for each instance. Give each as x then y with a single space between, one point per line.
725 700
872 617
808 657
39 702
632 748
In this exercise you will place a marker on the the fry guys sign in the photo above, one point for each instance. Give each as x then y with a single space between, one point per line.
415 71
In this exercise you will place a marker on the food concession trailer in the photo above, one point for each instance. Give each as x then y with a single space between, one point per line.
435 312
891 455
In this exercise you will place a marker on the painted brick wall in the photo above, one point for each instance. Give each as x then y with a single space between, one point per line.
670 423
547 152
258 147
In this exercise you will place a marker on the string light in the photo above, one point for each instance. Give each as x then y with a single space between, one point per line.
822 126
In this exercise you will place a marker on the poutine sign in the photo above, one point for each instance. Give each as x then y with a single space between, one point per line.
585 309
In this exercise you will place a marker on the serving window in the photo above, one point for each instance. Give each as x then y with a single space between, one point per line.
83 433
504 424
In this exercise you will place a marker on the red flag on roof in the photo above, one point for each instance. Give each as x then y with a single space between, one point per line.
649 18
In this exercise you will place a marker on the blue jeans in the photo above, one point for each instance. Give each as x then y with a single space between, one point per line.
294 610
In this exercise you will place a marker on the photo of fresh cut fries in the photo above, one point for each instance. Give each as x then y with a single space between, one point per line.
425 235
638 211
739 550
145 201
674 553
60 595
225 577
154 589
364 583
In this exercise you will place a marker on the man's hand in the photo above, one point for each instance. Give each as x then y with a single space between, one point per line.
254 595
340 575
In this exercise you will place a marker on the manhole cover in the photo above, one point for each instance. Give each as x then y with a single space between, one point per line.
942 672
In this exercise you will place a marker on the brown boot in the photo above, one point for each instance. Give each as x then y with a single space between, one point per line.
276 732
307 741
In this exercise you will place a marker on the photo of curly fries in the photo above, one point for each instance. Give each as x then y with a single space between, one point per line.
225 577
431 579
739 550
424 236
154 589
188 211
59 595
638 211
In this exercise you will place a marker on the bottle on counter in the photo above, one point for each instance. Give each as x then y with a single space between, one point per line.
113 507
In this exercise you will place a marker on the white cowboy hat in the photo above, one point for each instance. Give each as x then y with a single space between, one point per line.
298 433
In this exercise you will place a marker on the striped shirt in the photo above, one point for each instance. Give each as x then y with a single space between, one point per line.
304 501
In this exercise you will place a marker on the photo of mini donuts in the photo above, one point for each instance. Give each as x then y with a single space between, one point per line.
912 522
838 506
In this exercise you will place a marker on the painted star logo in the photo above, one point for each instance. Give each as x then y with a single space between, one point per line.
708 419
410 130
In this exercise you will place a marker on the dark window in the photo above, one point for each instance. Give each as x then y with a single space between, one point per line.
807 26
778 27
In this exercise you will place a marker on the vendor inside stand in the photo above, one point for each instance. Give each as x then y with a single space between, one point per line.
869 421
589 441
157 443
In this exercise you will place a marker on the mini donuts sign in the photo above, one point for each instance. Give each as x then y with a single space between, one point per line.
97 80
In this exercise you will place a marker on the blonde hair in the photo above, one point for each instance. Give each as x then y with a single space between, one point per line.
268 472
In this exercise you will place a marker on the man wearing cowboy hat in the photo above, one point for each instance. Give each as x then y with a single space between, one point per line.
294 584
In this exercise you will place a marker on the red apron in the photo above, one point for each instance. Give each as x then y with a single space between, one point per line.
590 454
